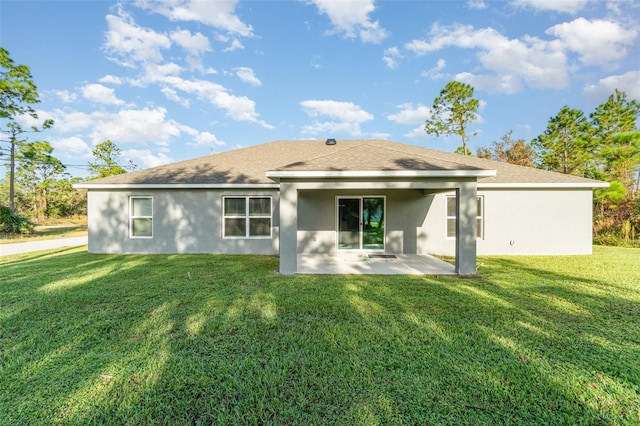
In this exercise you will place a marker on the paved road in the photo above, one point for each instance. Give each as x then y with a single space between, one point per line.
16 248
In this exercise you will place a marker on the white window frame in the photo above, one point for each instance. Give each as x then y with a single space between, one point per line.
132 217
247 216
479 218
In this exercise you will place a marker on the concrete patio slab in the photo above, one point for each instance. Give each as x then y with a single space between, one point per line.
362 263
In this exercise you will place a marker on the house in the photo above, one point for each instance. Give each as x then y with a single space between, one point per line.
324 197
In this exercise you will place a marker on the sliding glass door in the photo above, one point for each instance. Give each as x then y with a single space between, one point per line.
361 223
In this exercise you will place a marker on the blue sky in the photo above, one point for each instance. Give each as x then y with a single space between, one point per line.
177 79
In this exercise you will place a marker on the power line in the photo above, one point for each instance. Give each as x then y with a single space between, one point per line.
72 166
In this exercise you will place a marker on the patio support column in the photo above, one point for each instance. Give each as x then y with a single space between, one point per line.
466 228
288 228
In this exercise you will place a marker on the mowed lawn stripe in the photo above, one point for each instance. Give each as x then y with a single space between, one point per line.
214 339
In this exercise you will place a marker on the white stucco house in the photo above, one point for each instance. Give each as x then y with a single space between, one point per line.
313 196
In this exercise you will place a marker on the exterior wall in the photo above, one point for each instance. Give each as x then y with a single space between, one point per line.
518 222
405 212
521 222
184 221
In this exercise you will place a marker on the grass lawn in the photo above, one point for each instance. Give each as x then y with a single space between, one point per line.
200 339
44 233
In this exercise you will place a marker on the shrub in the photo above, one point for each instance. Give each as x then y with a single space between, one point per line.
11 223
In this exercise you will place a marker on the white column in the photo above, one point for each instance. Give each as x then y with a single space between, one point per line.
288 228
466 229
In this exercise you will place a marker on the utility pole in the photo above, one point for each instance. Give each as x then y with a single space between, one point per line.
12 174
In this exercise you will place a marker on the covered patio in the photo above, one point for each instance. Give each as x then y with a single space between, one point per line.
356 174
375 264
294 260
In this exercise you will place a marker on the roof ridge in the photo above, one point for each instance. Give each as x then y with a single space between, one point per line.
334 151
248 164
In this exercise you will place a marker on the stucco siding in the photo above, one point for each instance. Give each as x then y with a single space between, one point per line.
518 222
521 222
405 211
184 221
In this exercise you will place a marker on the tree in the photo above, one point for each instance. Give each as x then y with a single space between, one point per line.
37 175
616 139
452 112
106 156
565 146
462 151
17 90
17 95
507 150
65 200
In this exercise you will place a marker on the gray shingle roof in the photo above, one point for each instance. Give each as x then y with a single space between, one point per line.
249 165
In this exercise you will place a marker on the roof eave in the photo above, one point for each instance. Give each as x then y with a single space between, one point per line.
531 185
276 175
88 185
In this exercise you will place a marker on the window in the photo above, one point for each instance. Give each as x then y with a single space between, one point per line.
141 217
451 217
247 217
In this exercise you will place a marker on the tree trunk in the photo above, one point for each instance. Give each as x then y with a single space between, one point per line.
12 176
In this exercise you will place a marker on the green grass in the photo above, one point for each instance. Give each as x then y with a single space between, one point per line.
101 339
41 233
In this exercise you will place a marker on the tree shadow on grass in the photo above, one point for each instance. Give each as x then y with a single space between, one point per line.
576 344
223 339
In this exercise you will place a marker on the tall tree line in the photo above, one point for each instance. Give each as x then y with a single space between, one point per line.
37 185
604 145
43 188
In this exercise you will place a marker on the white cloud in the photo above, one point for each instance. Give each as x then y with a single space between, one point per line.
434 73
67 122
332 128
390 57
476 4
147 125
155 72
238 108
201 138
352 18
144 158
72 145
64 121
565 6
410 114
505 83
100 94
134 126
627 82
219 14
346 116
172 95
247 75
65 96
196 44
207 139
345 111
416 133
534 62
235 45
111 79
127 126
597 42
133 43
234 42
380 135
529 61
